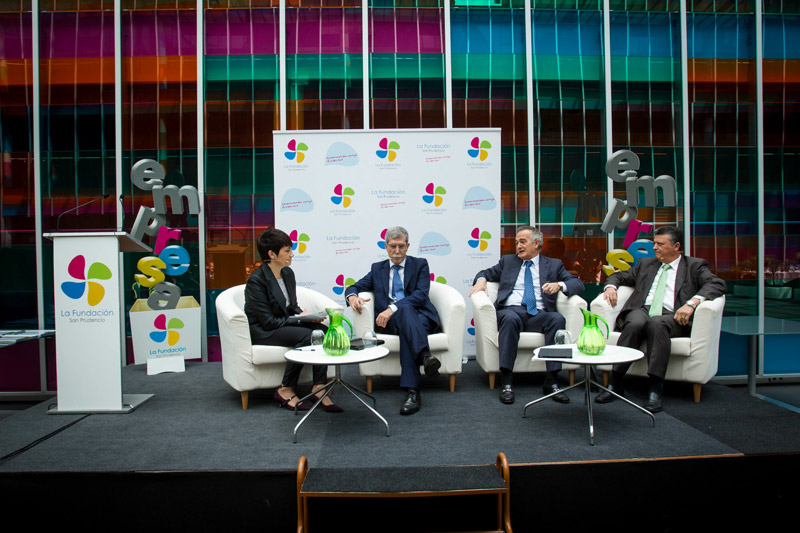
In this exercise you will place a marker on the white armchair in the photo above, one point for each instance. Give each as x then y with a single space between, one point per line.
249 367
446 346
693 359
486 344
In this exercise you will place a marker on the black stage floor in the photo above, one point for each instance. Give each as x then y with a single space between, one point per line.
193 446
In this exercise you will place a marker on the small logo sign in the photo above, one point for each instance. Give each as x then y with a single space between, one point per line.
341 195
342 284
296 151
382 242
299 241
434 194
480 149
387 149
480 239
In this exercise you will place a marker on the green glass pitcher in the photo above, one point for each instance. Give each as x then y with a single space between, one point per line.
336 341
591 340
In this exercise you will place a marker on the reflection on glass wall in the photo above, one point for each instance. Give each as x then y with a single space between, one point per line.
722 98
406 64
781 30
159 121
489 90
646 107
241 104
568 94
406 60
17 231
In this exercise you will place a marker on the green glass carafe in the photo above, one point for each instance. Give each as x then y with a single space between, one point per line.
336 341
591 340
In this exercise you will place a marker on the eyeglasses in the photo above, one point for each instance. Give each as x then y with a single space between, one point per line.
397 246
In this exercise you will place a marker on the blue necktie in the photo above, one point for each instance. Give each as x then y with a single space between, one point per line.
397 284
529 296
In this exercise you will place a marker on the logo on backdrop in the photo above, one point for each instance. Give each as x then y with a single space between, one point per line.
480 149
434 194
480 239
382 242
387 149
86 280
438 279
341 195
296 151
342 284
166 331
299 241
471 328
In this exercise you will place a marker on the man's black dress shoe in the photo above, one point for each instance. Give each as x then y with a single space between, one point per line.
553 387
431 364
413 402
607 397
654 402
507 395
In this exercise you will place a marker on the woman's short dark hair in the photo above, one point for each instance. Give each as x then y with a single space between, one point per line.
272 240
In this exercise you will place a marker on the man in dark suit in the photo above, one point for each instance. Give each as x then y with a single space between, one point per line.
400 285
667 289
526 301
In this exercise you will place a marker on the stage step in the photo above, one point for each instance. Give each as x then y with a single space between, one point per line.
397 482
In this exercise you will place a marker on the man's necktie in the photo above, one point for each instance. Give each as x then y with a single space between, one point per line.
529 296
657 306
397 284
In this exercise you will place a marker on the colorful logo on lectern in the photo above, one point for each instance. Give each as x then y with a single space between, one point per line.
434 194
299 241
480 149
382 242
165 331
342 284
341 195
86 280
480 239
296 151
388 149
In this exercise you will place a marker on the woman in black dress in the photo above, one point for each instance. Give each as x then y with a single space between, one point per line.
272 311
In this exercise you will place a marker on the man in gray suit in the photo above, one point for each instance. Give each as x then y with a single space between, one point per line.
526 301
667 289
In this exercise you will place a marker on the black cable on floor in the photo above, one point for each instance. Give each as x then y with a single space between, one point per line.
42 439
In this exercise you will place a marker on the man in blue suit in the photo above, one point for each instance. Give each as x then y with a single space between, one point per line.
400 285
526 301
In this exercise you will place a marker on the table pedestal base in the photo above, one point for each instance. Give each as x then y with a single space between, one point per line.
587 381
337 380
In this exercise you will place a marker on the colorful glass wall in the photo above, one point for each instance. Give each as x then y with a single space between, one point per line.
570 148
558 124
159 120
17 221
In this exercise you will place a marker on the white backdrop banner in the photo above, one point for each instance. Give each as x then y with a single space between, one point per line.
336 193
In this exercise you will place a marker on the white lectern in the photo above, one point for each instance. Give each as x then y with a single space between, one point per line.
90 322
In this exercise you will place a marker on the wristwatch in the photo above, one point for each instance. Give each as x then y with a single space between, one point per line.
691 304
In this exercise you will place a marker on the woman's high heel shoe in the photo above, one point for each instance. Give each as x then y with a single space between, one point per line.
332 408
283 402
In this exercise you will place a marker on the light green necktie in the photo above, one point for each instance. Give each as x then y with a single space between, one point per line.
658 298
